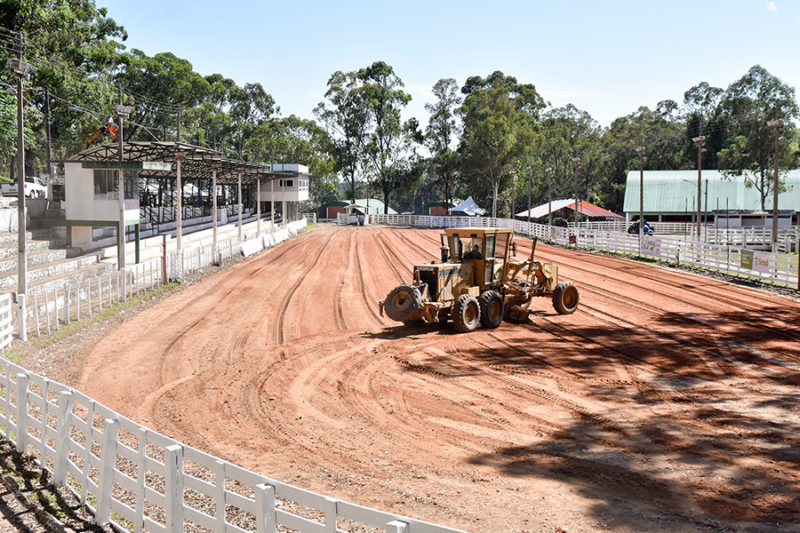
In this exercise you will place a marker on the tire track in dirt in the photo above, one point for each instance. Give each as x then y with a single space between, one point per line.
284 305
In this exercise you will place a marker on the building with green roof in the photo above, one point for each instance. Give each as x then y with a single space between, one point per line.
671 194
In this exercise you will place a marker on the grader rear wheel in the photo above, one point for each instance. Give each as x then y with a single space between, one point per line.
491 309
565 298
466 313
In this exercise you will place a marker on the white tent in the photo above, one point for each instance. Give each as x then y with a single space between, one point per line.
469 207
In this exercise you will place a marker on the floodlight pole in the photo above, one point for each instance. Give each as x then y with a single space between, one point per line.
700 143
513 194
530 185
640 151
549 171
122 114
577 162
776 126
21 70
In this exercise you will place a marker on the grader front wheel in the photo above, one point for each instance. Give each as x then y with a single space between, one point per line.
565 298
466 313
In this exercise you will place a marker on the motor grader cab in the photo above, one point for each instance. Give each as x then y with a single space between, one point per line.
476 282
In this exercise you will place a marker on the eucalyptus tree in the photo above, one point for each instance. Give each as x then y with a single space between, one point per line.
346 119
442 134
749 104
391 141
498 114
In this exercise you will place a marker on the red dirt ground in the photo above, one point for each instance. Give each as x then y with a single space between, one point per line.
668 402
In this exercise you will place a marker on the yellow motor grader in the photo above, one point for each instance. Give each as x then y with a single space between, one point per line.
477 283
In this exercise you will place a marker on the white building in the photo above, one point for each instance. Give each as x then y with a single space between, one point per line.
289 189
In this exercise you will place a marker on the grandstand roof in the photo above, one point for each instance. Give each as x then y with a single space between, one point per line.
674 191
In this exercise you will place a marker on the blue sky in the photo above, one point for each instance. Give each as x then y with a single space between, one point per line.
607 57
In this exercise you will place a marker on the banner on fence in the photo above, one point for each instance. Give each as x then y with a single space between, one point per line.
761 261
746 260
651 246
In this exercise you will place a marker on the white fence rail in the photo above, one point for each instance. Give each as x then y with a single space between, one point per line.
779 269
140 480
48 311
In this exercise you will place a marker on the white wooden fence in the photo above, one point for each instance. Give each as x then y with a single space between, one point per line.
139 480
779 269
47 311
6 320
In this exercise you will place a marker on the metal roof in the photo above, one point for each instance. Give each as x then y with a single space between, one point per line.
198 161
674 191
584 207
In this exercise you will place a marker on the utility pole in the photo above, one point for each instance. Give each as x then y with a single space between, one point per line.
549 171
179 122
776 126
122 113
21 70
640 152
700 143
530 185
49 150
513 194
577 162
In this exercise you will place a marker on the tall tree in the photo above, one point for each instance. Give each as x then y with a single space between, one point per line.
498 115
442 133
389 149
750 103
346 119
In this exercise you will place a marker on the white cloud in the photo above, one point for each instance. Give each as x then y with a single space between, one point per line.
771 6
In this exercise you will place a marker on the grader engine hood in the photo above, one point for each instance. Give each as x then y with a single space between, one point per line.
444 280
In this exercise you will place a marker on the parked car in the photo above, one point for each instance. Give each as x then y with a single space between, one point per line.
34 188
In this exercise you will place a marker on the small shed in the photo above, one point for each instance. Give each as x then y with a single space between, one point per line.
436 208
329 210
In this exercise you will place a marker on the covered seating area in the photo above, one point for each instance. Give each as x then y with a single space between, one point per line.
156 179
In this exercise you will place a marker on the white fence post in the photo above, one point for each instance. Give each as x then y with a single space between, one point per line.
105 485
265 508
22 412
173 461
22 325
396 526
330 515
62 444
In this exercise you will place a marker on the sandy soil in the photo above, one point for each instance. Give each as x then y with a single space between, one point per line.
668 402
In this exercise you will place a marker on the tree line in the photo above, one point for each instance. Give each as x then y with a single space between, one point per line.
494 138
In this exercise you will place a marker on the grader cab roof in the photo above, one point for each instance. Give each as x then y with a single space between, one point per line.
476 232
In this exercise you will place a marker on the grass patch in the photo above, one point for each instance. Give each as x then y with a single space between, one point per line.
17 353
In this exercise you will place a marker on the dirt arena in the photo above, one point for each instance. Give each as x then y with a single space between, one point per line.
668 402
